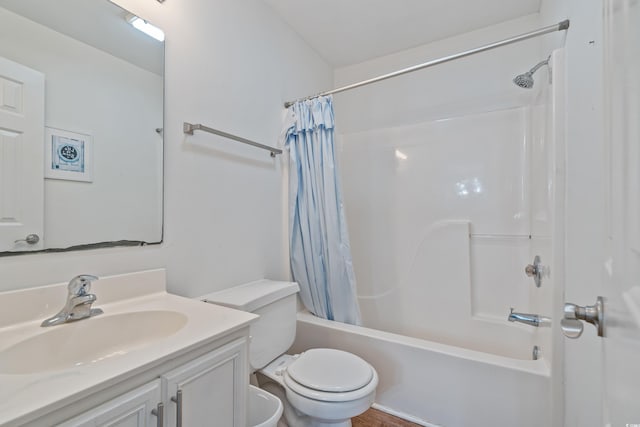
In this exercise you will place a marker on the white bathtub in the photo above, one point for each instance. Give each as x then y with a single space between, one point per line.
434 384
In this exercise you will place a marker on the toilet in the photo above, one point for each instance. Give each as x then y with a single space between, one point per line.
319 387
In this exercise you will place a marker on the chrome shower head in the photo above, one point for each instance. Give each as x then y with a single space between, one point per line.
525 80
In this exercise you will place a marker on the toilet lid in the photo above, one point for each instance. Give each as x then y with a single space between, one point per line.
330 370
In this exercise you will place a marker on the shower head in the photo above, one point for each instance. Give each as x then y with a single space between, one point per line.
525 80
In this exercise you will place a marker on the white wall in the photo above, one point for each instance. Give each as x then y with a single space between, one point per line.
120 105
231 65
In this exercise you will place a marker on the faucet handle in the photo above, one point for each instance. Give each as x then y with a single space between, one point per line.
80 285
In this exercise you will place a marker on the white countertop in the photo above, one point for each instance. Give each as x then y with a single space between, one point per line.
28 394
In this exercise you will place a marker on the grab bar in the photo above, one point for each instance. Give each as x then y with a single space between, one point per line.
188 128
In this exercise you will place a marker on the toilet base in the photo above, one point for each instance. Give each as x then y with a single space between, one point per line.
290 416
303 411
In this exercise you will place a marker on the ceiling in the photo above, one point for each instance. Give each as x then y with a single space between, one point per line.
102 26
347 32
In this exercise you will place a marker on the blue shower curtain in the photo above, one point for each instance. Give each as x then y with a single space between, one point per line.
318 240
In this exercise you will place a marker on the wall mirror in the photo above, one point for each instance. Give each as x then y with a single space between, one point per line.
81 118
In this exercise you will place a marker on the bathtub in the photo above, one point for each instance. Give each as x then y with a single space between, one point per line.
434 384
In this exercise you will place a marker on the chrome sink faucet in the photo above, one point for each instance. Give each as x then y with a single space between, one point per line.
79 300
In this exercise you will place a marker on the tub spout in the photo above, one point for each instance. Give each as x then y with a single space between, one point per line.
527 319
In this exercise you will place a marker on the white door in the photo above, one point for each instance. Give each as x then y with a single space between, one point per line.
606 371
621 287
21 157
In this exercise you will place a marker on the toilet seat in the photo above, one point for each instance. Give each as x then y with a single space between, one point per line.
330 375
291 385
330 370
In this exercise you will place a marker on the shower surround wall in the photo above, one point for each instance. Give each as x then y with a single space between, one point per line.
447 192
440 226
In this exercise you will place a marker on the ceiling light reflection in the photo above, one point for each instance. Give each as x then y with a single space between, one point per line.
142 25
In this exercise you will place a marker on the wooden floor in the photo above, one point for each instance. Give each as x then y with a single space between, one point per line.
375 418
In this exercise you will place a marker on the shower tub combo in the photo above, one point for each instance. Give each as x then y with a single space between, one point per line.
439 250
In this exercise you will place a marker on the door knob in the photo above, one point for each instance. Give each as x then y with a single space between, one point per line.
31 239
572 325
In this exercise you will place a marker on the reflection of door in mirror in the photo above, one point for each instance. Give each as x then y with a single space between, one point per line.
21 157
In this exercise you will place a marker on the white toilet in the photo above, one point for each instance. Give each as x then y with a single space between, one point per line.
320 387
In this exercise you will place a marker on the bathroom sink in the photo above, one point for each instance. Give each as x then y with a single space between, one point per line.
89 341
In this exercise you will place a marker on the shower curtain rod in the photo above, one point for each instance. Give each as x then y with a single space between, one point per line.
563 25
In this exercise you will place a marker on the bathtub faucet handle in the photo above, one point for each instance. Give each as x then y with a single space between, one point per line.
536 271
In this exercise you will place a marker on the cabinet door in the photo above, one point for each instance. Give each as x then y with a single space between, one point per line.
132 409
213 389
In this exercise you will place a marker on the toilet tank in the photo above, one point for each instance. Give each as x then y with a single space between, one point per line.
275 302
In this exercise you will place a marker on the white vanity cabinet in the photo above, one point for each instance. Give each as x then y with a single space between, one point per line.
132 409
210 390
148 348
